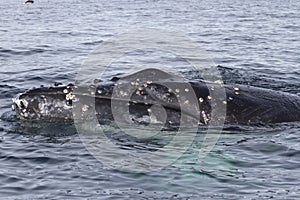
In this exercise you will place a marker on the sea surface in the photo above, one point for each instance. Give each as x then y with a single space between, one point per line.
252 42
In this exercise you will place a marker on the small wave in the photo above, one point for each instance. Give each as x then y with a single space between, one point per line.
92 43
11 52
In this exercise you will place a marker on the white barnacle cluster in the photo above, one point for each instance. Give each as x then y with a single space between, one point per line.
219 82
139 91
201 99
135 83
123 90
236 90
139 87
92 89
22 105
42 107
70 96
65 91
186 102
123 93
69 93
166 96
182 95
85 108
205 117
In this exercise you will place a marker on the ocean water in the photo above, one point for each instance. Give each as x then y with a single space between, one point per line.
253 42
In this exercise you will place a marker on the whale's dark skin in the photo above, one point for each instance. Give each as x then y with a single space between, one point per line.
244 104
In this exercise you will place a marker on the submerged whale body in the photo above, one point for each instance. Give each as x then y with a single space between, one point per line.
150 100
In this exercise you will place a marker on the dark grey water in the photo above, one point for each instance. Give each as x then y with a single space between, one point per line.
256 42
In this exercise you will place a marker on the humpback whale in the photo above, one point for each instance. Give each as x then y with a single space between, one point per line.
244 104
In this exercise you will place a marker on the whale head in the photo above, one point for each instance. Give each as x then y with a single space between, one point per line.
51 103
